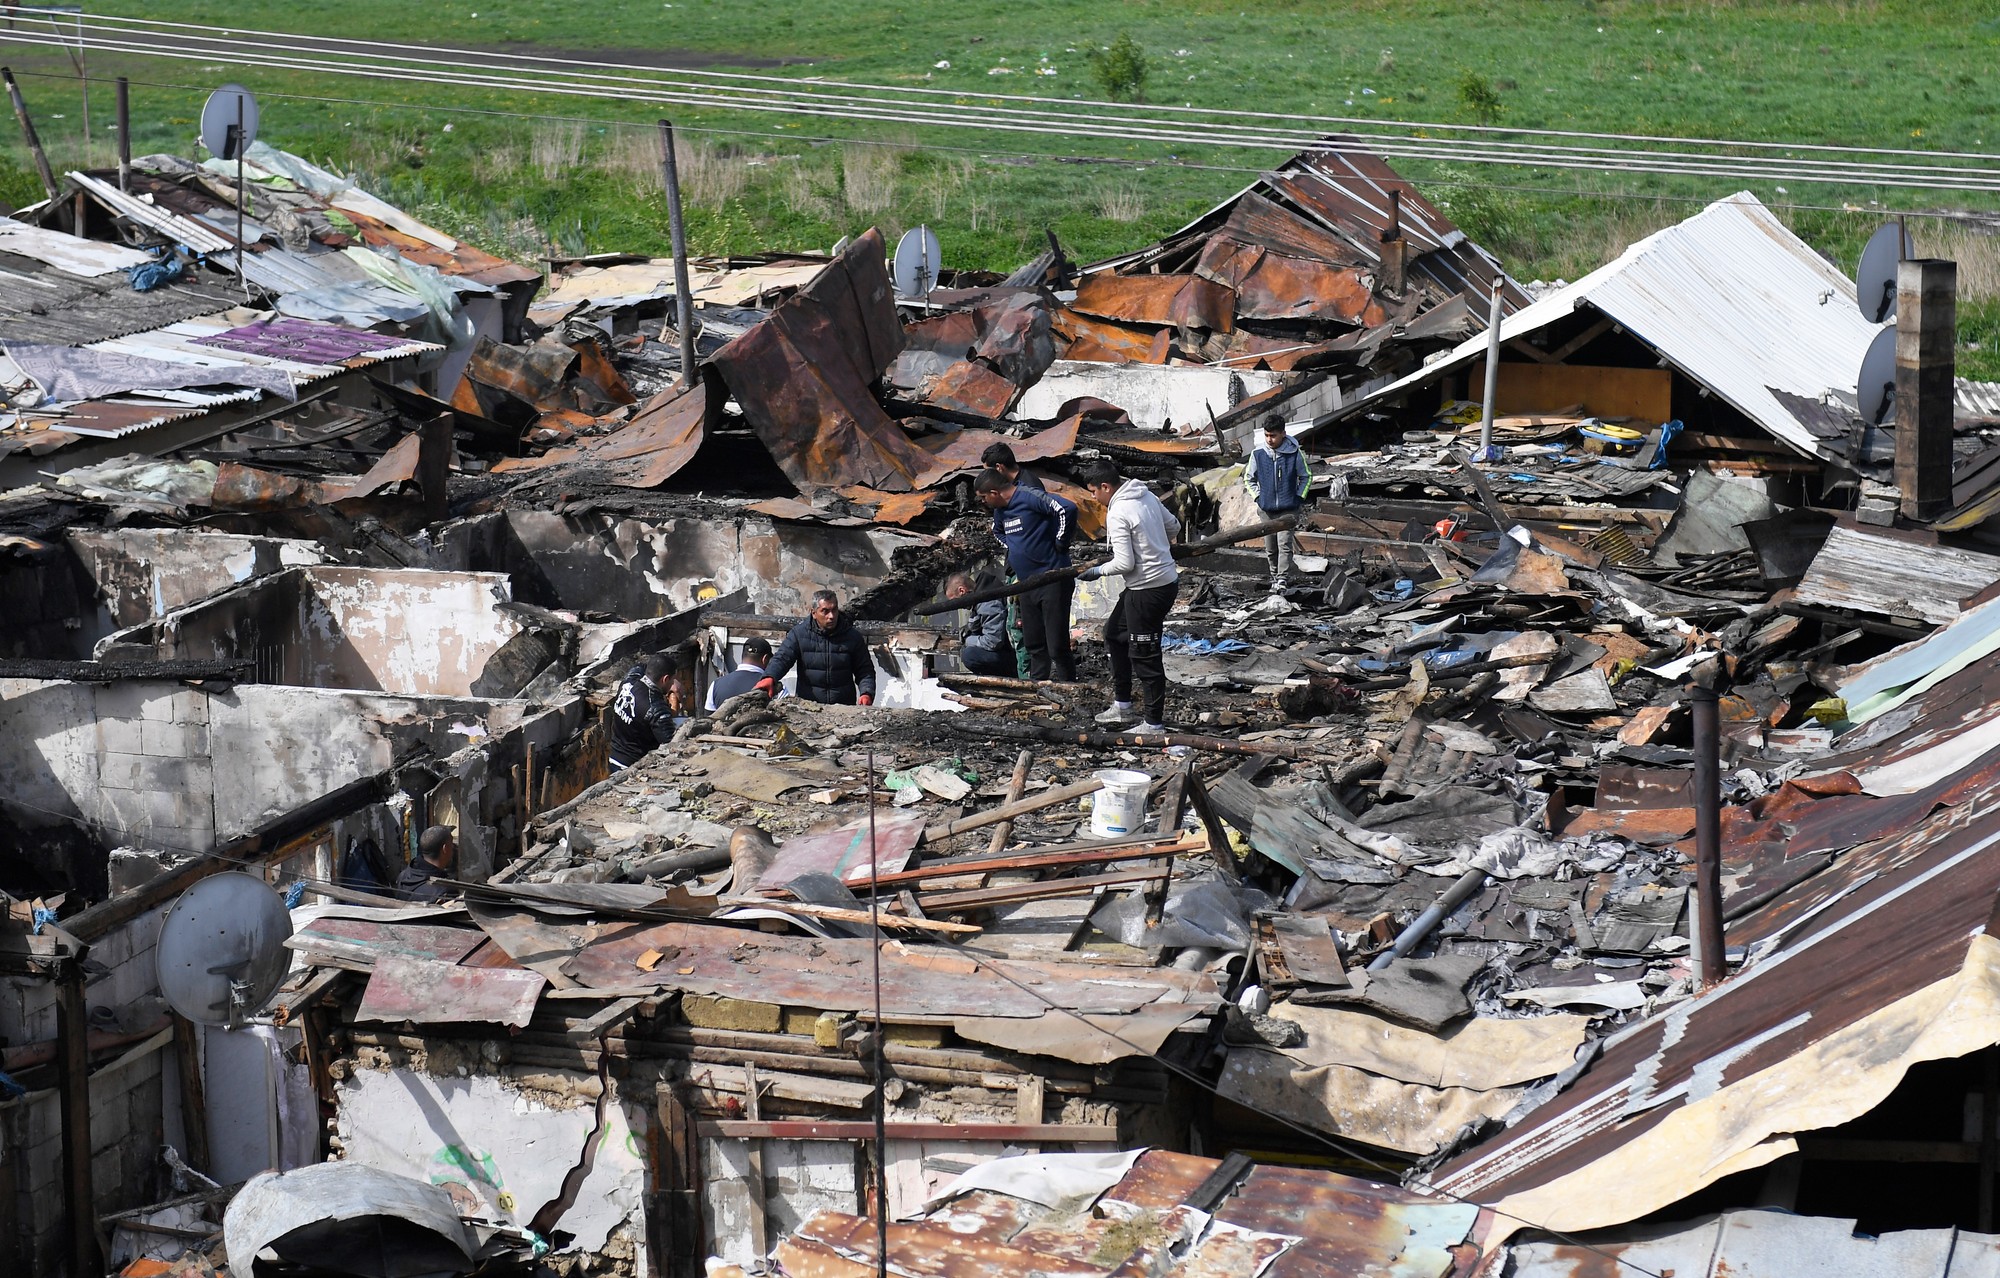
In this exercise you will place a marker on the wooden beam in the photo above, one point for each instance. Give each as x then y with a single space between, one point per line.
194 1100
1017 789
616 1014
760 1243
1012 893
1008 811
1581 340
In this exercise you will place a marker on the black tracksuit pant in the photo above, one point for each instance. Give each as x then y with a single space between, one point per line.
1132 636
1045 630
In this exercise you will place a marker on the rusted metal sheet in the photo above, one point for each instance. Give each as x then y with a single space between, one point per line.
1183 301
1103 342
921 1250
1356 1226
967 387
358 943
961 450
1008 332
1162 1179
426 992
1271 283
978 1133
465 261
804 378
846 851
110 419
645 452
889 508
835 973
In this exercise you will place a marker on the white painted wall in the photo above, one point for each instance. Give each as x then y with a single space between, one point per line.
1151 394
417 633
493 1145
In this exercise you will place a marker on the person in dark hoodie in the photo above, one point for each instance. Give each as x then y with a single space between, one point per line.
1036 528
642 715
425 879
1000 457
831 656
1278 479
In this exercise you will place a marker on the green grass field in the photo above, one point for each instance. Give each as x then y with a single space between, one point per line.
476 163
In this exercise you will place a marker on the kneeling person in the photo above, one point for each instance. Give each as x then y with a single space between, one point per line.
985 649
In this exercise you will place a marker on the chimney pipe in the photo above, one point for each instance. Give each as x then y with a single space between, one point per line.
1926 328
1710 965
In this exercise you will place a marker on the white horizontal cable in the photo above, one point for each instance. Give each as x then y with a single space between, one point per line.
744 77
806 101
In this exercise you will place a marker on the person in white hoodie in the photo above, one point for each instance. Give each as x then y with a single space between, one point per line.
1141 532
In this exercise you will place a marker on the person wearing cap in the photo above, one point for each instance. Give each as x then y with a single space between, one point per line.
985 649
748 673
1141 531
425 879
642 714
1278 479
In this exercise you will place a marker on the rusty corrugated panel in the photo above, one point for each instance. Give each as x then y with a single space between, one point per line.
961 450
1008 331
889 508
425 992
1183 301
464 261
1107 343
967 387
804 377
1162 1179
645 452
835 1245
1356 1226
112 419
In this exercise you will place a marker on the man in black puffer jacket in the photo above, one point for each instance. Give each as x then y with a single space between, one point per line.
832 658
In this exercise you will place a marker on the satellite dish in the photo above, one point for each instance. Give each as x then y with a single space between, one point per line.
917 257
1875 388
221 953
219 117
1875 277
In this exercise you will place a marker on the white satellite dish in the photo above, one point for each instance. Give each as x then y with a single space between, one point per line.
916 266
221 953
1875 276
1875 387
226 107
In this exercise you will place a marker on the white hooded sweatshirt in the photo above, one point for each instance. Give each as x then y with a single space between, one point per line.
1141 532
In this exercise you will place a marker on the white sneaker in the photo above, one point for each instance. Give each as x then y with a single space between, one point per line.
1151 729
1120 714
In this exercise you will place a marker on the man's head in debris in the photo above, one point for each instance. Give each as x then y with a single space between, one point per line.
439 847
995 490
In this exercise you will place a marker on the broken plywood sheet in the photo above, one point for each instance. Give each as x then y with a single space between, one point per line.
844 851
358 944
407 987
1086 1040
760 779
1355 1103
1481 1054
1873 573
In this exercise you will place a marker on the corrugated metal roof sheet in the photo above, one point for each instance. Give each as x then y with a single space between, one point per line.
1279 1222
1874 963
39 303
1730 297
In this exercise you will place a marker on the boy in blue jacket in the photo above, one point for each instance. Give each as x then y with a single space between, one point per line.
1036 528
1278 479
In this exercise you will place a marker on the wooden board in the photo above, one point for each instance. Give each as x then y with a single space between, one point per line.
1644 393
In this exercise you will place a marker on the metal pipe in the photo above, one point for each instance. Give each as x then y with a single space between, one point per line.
1492 374
1426 923
124 135
242 193
677 229
1709 961
42 169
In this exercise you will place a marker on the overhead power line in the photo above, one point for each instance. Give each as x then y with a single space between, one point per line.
812 100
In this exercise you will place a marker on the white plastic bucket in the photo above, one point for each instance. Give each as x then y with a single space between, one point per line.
1120 807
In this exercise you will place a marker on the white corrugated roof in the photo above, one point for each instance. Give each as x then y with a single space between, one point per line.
1730 297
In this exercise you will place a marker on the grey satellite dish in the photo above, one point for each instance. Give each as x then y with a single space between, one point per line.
916 266
1875 277
221 953
1875 388
219 118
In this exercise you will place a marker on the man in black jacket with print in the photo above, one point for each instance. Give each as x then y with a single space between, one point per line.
642 715
831 657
